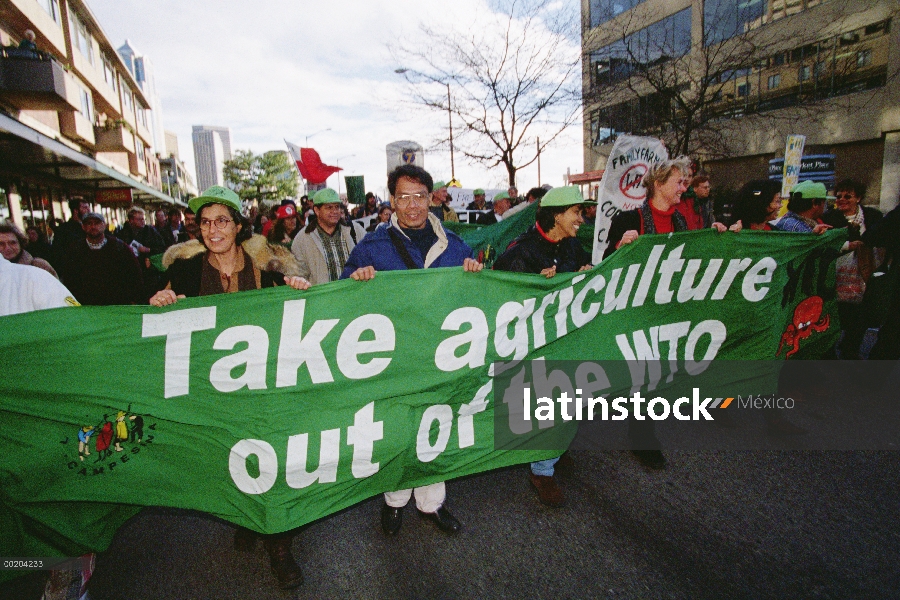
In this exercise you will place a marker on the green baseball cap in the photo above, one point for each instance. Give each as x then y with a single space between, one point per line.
438 185
564 196
215 195
326 196
478 192
501 196
811 189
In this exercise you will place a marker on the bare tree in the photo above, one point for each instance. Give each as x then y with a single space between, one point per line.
698 95
505 81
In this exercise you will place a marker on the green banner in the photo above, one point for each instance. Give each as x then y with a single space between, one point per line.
356 189
274 408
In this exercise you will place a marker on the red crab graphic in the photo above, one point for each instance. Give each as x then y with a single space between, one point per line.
807 318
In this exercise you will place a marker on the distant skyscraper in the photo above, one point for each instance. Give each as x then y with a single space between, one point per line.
212 147
142 70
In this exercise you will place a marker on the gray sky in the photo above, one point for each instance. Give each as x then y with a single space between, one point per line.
279 69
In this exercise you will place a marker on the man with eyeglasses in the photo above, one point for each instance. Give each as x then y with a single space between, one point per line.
322 248
805 209
413 239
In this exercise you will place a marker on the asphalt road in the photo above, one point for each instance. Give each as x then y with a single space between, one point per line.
774 524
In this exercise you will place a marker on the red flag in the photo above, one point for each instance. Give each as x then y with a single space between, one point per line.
316 171
295 154
311 167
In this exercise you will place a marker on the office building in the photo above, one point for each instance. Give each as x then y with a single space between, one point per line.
141 69
745 75
212 147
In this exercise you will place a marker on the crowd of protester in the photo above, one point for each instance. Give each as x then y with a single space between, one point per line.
216 247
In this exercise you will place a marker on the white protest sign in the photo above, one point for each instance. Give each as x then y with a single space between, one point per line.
620 187
793 156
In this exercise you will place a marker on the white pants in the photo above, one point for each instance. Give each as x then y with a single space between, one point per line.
428 498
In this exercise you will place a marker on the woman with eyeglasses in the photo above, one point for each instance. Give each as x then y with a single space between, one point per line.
228 258
856 263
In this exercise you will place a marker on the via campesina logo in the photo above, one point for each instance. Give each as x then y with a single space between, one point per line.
108 443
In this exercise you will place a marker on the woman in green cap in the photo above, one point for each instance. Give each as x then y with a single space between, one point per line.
551 246
227 258
548 248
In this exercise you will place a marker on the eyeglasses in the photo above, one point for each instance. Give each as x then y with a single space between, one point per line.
845 196
221 223
420 199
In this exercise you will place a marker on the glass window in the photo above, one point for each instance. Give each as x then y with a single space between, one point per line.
660 42
139 147
803 73
81 37
863 58
109 72
604 10
778 59
774 81
52 8
87 104
743 90
818 69
884 26
724 19
127 101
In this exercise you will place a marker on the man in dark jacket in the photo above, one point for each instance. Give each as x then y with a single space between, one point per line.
146 242
414 239
71 230
101 270
501 205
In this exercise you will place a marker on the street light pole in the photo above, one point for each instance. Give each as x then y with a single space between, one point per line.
403 71
338 162
450 119
314 134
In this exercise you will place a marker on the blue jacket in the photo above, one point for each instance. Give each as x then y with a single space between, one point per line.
377 250
793 222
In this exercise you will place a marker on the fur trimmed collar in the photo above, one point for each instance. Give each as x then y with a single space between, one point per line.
265 256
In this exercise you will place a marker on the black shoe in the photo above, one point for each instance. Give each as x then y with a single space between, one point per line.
444 520
391 519
286 569
651 459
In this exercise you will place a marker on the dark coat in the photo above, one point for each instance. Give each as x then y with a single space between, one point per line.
487 219
836 218
184 264
531 252
185 273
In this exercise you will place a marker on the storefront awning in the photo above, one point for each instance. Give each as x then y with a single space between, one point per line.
32 156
